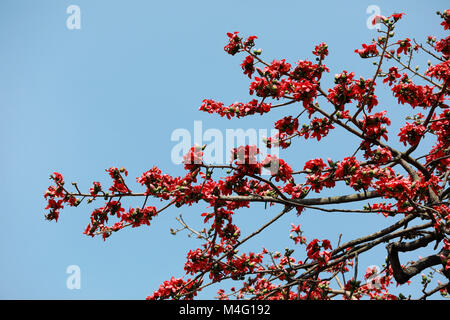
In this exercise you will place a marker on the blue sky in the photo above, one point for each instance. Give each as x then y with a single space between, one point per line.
111 94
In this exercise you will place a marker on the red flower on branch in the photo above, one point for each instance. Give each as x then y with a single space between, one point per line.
368 51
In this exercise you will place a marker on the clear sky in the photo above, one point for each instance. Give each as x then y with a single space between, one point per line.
112 92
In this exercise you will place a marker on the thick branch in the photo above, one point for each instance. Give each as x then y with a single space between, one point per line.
310 201
402 275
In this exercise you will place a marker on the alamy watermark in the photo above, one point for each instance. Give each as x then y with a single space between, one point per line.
218 145
374 12
73 21
74 279
373 279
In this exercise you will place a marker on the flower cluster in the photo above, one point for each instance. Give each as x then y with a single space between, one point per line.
443 46
56 197
414 95
348 89
440 71
279 169
318 128
446 17
176 288
314 251
119 185
298 237
287 125
194 158
374 126
321 51
237 109
411 133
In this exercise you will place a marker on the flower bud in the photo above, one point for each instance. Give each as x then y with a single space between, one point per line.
257 51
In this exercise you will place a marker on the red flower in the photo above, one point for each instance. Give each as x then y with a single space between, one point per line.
412 94
277 68
446 16
118 182
378 19
280 139
194 158
368 51
58 178
318 128
440 71
138 216
288 125
234 43
314 165
411 133
443 46
95 189
250 42
175 287
54 206
247 66
446 244
373 125
397 16
321 50
348 166
392 75
403 45
314 253
278 168
306 70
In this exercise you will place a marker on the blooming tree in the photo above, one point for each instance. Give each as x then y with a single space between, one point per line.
410 190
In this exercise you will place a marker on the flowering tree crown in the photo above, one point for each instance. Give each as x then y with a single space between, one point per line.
411 190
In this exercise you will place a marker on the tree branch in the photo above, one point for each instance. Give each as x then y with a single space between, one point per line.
402 275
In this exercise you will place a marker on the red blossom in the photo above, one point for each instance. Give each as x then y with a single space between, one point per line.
396 16
278 168
374 126
443 46
392 76
368 51
194 158
321 50
403 46
411 133
287 125
378 19
440 71
247 66
446 16
234 44
314 165
95 189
